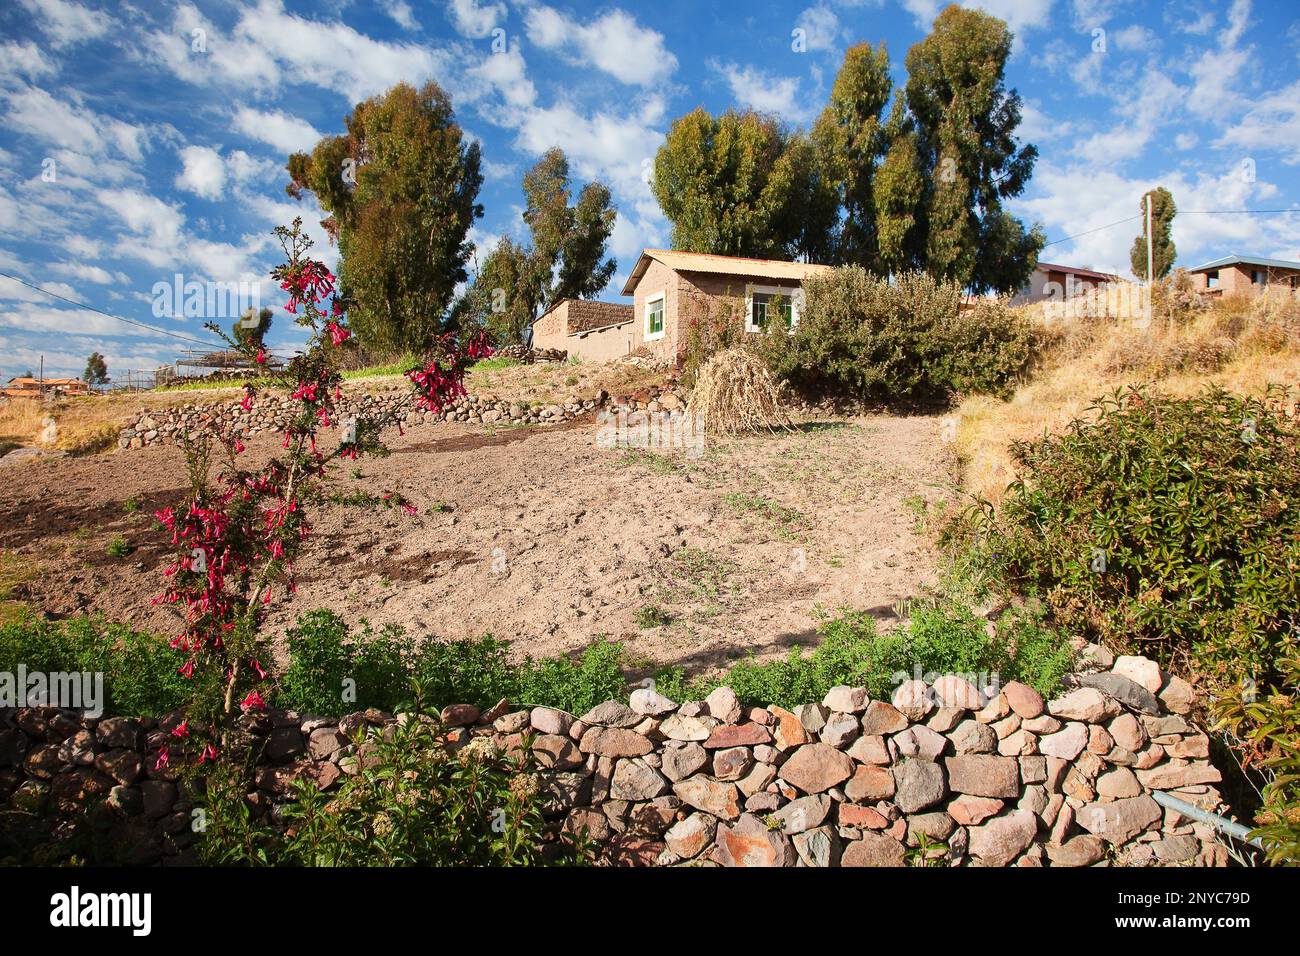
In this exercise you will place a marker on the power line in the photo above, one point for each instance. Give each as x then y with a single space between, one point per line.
1181 212
119 318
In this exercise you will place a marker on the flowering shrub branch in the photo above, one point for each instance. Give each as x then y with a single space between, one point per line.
237 536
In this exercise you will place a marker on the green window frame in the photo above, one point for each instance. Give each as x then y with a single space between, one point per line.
654 316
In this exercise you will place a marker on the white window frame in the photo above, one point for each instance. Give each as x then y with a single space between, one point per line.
793 293
659 296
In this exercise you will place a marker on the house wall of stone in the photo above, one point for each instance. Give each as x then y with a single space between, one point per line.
658 278
549 331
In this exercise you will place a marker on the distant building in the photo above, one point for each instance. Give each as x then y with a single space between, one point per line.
1245 275
25 386
1051 282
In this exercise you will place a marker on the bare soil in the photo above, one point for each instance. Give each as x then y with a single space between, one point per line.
537 536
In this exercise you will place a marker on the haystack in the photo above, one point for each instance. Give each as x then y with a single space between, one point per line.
735 393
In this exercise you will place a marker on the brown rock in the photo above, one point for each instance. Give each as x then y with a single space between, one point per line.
1171 776
732 763
970 811
1120 820
723 705
750 843
804 813
953 691
712 796
546 720
683 758
459 715
790 731
871 749
920 741
866 818
882 718
983 775
870 783
814 768
1065 744
688 838
555 752
1003 838
636 780
1082 850
874 849
918 784
737 735
614 742
1023 700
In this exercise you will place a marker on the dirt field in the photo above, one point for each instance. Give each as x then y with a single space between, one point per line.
538 536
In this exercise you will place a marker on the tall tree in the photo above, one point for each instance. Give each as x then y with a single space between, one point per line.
400 188
566 260
851 142
1164 252
963 122
96 370
730 186
252 331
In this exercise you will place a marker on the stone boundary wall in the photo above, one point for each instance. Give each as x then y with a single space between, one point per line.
941 771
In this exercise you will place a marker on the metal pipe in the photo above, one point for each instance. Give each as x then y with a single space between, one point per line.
1222 824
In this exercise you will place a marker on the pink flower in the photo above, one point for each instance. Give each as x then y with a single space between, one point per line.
183 730
163 759
338 334
187 670
253 701
209 753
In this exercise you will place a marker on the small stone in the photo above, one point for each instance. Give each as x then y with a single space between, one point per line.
1121 820
757 779
737 735
1085 703
1066 744
840 730
459 715
1003 838
866 818
1128 692
1177 695
870 749
789 730
611 713
817 848
936 827
1120 782
614 742
688 838
846 700
1023 700
969 810
712 796
723 705
918 784
882 718
983 775
804 813
546 720
869 784
913 699
1171 776
554 752
945 719
1128 732
874 849
921 741
954 691
812 716
650 703
681 727
1082 850
749 843
682 759
1140 669
814 768
972 737
635 780
732 763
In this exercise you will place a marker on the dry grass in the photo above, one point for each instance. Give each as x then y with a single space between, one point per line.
1241 344
735 393
20 423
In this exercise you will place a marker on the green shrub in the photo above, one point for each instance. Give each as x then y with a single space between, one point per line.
140 670
575 686
1169 525
940 639
412 804
903 340
331 674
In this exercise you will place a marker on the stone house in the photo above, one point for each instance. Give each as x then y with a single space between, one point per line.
1051 282
668 289
1245 275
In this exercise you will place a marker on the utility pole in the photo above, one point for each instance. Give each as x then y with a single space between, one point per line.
1151 266
40 380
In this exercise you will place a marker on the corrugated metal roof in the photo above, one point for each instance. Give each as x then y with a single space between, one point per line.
1232 260
723 265
1071 270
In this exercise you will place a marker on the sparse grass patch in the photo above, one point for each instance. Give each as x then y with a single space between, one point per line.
118 547
651 616
787 519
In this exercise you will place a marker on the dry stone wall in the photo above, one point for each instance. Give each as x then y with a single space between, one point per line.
941 771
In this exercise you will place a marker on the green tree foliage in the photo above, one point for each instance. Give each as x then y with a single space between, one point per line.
852 141
96 370
252 332
964 121
1163 211
400 187
567 260
916 186
731 185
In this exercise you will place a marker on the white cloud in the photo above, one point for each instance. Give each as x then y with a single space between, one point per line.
399 11
35 112
204 172
24 59
89 273
1272 123
756 90
289 134
613 43
1133 39
1020 15
67 23
473 19
821 26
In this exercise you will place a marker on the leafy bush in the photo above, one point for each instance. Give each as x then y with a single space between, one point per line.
905 340
412 804
939 639
1167 524
1271 724
140 670
387 671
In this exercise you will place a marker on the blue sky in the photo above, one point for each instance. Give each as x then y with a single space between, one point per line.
144 140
